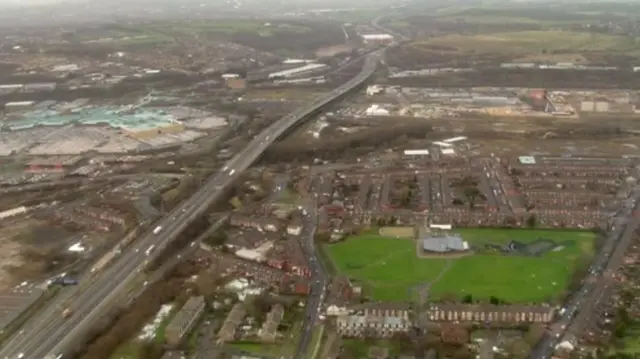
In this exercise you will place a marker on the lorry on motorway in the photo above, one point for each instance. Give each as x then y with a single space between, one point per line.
67 313
65 281
150 249
62 280
103 261
157 230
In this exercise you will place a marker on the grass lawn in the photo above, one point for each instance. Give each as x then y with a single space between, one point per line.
388 267
130 350
316 340
630 344
530 42
360 349
263 28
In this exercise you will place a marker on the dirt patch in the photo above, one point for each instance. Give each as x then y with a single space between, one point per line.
398 232
333 50
10 251
554 58
31 249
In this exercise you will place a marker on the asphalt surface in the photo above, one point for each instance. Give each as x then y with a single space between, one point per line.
318 275
48 333
319 281
576 309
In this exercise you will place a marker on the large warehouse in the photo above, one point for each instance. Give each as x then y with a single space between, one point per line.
298 71
444 244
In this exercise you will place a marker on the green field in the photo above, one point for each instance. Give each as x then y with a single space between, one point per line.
388 267
528 42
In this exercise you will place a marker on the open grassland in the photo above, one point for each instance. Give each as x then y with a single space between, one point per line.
526 14
157 33
263 28
389 268
629 344
530 42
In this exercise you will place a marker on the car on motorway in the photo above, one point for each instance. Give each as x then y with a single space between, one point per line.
67 313
150 249
65 281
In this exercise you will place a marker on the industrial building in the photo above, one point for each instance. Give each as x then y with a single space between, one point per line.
376 110
444 244
13 212
297 71
35 87
594 106
416 152
18 106
375 90
377 39
184 320
9 88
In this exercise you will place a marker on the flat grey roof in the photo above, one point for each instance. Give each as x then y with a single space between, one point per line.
527 160
443 244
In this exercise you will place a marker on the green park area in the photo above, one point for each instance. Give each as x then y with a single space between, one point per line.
389 268
532 46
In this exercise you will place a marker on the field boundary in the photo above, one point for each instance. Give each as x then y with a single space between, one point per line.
388 268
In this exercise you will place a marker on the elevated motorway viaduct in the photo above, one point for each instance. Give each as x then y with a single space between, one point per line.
48 333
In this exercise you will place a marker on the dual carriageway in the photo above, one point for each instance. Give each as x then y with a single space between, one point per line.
49 333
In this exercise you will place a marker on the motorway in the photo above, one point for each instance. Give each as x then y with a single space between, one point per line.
576 309
48 333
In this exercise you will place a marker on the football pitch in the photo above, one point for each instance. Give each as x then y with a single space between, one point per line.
388 268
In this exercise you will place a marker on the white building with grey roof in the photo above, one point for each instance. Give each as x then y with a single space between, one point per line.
444 244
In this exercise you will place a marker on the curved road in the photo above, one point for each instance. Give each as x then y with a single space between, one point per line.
49 333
